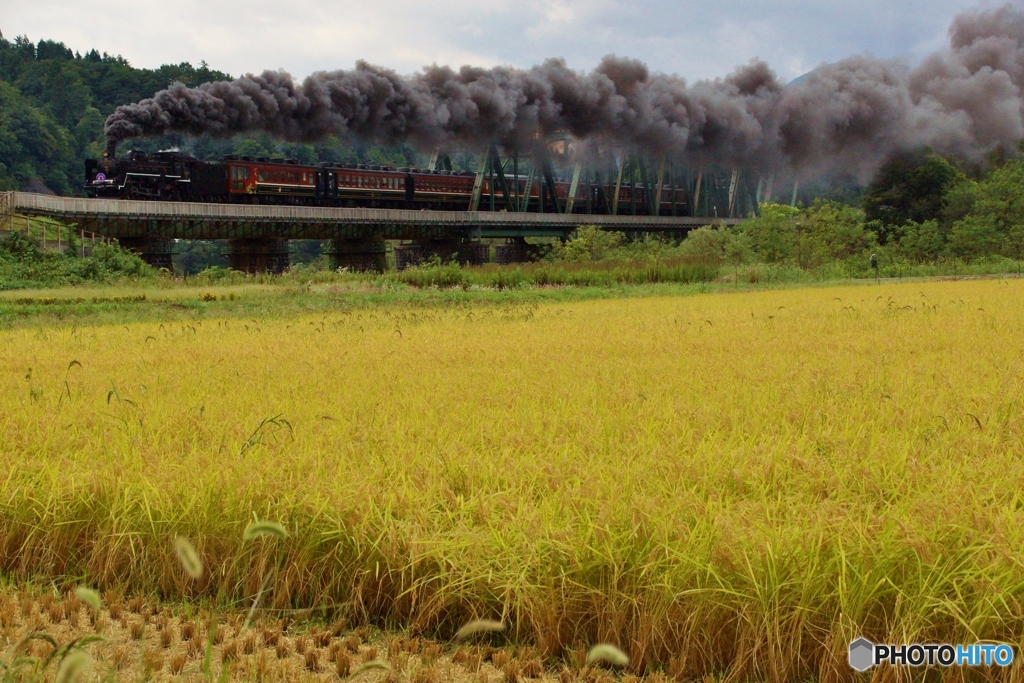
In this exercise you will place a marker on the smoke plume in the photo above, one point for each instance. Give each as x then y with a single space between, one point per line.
851 115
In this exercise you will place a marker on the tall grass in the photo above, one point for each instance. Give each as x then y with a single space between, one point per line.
594 274
723 485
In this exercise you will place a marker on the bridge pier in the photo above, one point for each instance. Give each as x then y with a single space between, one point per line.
421 251
266 255
513 251
156 251
365 254
474 253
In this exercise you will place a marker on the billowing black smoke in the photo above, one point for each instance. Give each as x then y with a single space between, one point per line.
965 100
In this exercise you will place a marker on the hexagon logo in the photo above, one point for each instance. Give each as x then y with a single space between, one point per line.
862 654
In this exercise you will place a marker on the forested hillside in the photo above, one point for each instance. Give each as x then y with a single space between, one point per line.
53 102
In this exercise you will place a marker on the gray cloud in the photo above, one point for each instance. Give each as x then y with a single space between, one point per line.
697 39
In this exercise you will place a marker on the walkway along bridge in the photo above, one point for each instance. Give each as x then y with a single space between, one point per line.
258 234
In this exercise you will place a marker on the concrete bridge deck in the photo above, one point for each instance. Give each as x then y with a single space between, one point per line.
189 220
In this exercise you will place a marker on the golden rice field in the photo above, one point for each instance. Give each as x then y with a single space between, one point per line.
734 485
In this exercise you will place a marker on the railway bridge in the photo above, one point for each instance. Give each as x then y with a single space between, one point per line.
258 235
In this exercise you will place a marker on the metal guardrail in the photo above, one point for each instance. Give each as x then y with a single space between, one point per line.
72 207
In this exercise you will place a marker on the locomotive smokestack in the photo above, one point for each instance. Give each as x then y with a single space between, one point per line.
111 147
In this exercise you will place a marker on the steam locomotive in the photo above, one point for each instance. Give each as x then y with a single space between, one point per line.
172 176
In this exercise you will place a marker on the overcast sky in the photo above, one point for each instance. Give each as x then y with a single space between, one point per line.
694 39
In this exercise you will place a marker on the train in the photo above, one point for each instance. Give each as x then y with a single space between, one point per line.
174 176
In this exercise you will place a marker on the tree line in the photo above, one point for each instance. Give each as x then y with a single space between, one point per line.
53 102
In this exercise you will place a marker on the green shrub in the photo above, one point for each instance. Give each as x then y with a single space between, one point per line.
588 243
23 264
